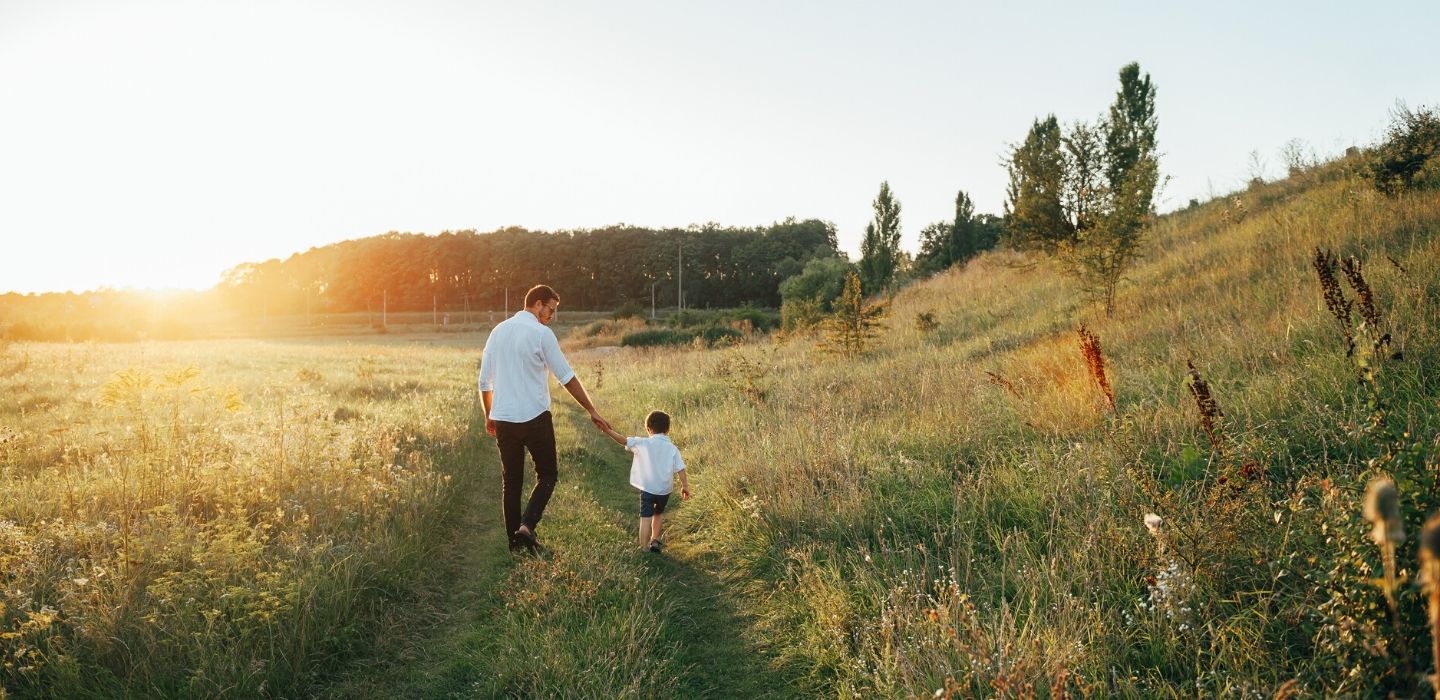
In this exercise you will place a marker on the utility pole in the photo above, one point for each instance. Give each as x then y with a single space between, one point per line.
507 302
680 274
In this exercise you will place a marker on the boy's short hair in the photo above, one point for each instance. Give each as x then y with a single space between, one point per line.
541 293
658 421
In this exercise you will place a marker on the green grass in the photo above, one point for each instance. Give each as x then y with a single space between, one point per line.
886 526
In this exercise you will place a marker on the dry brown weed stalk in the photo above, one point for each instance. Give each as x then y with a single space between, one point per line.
1210 413
1351 266
1095 363
1325 263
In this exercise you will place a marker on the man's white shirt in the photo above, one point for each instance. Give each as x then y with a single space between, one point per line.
656 461
517 356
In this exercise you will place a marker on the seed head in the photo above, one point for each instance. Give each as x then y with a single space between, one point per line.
1382 509
1430 541
1154 524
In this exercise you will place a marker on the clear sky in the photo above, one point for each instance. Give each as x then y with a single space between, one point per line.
155 143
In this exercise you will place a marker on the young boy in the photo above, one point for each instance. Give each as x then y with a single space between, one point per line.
653 471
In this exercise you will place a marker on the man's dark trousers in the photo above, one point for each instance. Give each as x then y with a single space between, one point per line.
538 436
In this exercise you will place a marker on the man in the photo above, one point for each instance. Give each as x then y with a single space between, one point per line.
516 396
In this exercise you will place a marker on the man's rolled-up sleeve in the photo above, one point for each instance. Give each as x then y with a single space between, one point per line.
555 360
487 371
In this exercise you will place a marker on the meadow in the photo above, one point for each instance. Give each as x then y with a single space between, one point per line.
960 511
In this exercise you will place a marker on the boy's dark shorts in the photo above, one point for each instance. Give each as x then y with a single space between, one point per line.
651 504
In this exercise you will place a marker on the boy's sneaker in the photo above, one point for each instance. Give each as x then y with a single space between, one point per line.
656 546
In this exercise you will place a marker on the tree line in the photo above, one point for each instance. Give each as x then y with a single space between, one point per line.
593 269
1083 195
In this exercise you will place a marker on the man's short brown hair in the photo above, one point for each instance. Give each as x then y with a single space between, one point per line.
541 293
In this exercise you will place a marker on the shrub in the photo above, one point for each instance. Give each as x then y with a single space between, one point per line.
1407 159
656 337
628 310
757 319
715 335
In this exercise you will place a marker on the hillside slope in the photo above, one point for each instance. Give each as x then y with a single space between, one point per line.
959 509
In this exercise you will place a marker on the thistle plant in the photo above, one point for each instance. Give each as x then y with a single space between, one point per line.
1430 580
1382 510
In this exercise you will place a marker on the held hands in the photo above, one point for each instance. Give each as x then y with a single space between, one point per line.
599 422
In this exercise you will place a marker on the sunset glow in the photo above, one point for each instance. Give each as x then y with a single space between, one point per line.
157 143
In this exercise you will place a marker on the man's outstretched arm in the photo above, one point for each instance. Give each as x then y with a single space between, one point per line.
577 390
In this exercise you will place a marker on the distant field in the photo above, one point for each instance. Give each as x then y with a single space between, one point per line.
215 518
363 324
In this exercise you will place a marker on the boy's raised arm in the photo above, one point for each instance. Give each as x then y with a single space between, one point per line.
617 437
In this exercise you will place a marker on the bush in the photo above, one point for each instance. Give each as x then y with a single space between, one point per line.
712 335
757 319
628 310
716 335
1407 159
656 337
823 279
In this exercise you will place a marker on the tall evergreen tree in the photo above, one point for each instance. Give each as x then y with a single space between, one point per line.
964 244
880 249
1037 177
1130 131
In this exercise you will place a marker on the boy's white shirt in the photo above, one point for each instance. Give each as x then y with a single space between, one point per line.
655 464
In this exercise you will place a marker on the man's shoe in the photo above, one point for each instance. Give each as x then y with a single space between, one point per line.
656 546
527 540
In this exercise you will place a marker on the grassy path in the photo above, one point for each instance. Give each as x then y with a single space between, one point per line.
605 620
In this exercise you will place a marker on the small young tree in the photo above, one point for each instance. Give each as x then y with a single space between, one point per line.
854 324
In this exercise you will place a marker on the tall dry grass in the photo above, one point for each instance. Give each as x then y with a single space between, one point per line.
213 518
907 523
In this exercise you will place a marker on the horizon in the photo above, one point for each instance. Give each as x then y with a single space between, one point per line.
172 141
